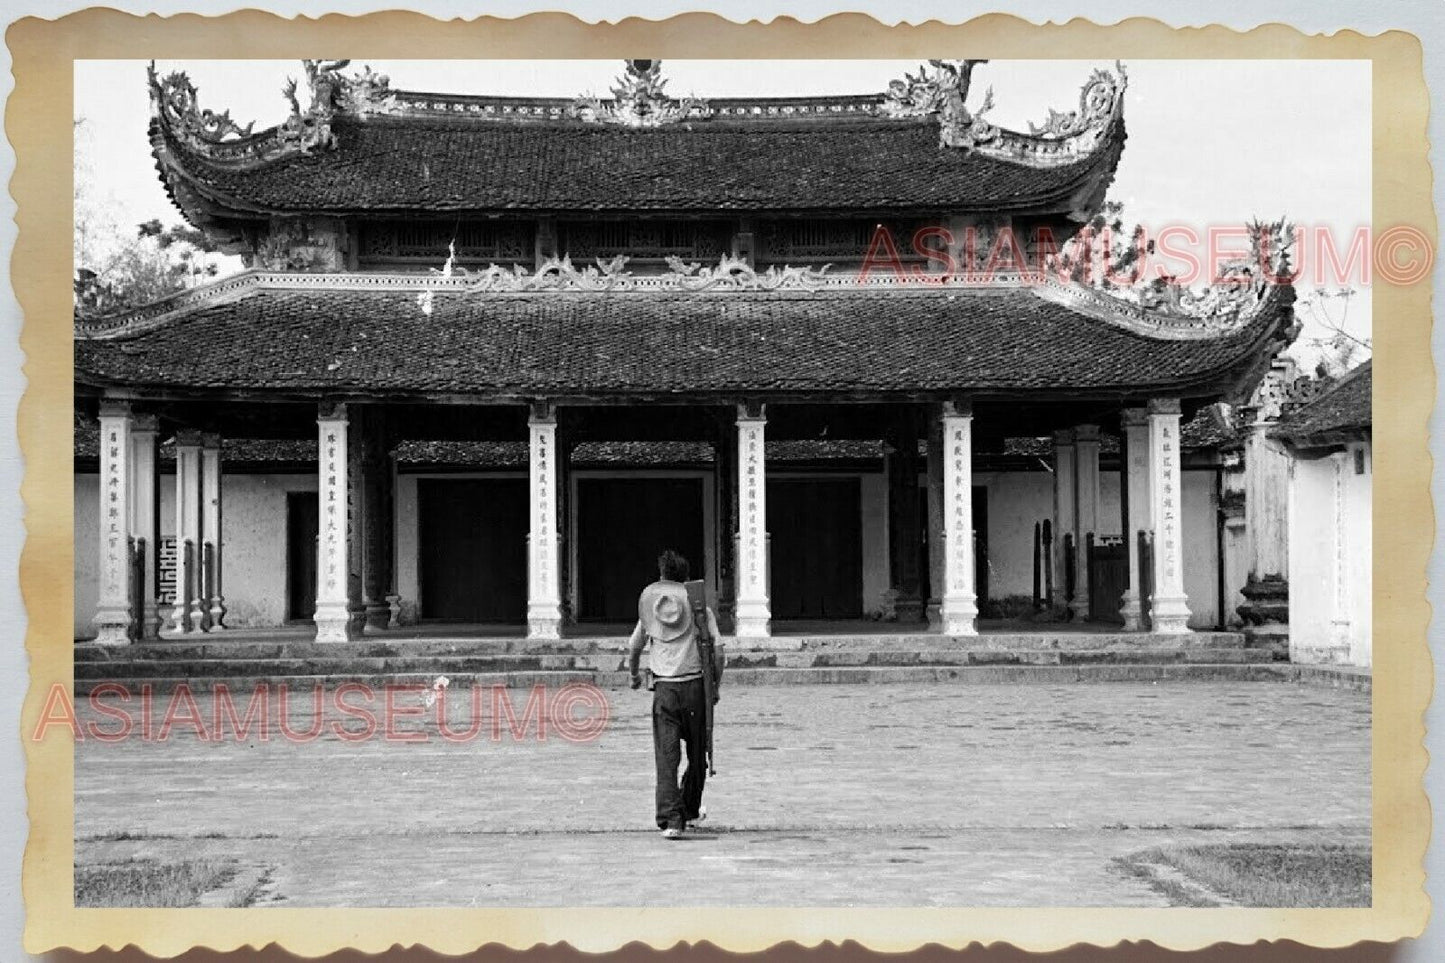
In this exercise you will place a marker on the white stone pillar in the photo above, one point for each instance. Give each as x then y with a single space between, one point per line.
1168 608
544 599
1063 510
214 600
1339 524
960 600
335 620
113 613
145 517
754 613
187 612
1135 485
937 545
1086 510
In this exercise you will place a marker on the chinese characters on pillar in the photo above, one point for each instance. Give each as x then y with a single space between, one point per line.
754 549
331 543
541 543
1168 499
961 523
115 529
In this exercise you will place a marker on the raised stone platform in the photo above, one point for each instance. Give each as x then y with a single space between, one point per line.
245 660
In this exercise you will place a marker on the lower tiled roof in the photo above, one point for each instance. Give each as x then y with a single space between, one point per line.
868 341
1341 413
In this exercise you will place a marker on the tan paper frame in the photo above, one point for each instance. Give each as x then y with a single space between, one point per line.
38 122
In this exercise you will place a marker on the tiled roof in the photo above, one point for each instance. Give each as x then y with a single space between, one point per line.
409 164
1342 413
868 341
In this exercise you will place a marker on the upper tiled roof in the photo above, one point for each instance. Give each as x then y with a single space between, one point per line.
365 148
413 164
1341 414
870 341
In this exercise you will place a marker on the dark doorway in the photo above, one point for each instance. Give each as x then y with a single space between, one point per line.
1108 578
302 526
980 545
815 527
473 549
623 524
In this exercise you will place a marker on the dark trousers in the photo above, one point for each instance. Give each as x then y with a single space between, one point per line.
678 715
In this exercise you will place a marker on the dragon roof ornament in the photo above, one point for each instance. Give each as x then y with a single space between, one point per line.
940 89
174 104
639 99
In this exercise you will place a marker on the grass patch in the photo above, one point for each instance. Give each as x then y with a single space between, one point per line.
1259 874
147 882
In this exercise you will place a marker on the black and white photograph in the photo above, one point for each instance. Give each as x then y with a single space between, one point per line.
745 483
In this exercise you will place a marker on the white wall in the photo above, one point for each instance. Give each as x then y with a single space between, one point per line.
253 545
1016 500
1201 547
1330 554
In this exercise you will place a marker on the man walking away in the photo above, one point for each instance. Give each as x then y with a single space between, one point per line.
664 620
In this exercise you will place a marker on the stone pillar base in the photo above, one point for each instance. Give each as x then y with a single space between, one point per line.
933 612
544 623
960 616
754 622
218 615
1132 613
1169 616
112 627
393 611
378 615
1273 636
152 621
335 624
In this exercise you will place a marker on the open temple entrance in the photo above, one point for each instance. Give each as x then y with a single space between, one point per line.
817 548
473 549
623 524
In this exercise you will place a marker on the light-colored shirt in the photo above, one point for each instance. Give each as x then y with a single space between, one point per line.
677 660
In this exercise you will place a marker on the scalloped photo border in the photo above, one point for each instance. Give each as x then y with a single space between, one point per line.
38 123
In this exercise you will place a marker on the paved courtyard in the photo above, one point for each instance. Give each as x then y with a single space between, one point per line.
830 794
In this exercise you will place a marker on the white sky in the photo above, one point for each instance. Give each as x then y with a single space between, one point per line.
1211 143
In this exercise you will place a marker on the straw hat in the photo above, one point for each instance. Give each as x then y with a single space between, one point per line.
664 611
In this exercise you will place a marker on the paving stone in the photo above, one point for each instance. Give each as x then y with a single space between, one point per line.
826 795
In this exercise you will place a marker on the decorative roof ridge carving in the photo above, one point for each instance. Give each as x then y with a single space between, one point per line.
1064 138
1220 310
175 110
640 101
1217 318
557 275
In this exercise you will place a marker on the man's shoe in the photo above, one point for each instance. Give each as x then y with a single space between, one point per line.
672 832
701 815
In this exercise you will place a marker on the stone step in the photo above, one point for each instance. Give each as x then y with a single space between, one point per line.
354 666
865 674
300 647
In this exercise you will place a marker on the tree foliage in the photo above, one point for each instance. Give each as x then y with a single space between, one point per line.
117 268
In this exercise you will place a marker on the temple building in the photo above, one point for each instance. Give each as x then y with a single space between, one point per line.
491 354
